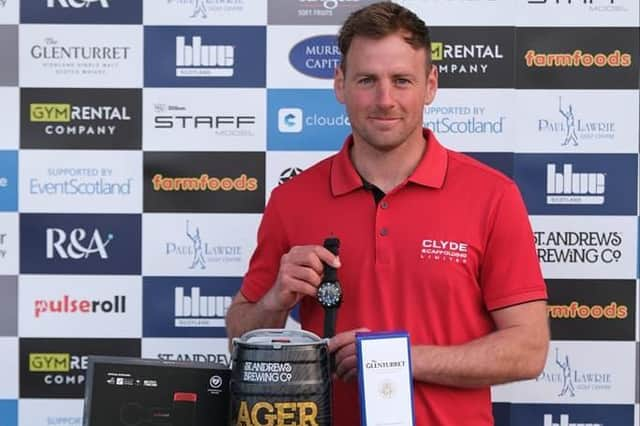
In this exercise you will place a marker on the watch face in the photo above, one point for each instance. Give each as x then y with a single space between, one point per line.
330 294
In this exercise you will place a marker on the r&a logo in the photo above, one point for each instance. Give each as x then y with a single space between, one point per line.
77 3
57 244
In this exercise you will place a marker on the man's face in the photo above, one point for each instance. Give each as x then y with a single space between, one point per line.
384 88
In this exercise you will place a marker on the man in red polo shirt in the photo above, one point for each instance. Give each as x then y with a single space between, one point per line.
432 241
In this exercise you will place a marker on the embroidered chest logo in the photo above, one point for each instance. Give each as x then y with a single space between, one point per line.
444 251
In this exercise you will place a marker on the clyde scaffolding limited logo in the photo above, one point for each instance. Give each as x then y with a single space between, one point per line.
444 251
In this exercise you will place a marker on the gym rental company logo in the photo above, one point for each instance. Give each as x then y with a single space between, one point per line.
81 12
578 183
444 251
205 56
305 120
232 181
316 56
55 368
592 309
80 244
570 128
473 57
187 306
81 118
198 253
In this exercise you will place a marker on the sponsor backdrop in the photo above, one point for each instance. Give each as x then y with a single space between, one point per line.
141 140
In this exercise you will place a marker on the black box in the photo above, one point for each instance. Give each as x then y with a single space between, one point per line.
122 391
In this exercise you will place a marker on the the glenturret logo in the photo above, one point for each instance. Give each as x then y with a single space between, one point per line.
568 187
586 247
201 60
464 58
204 183
578 310
443 250
574 129
290 120
50 50
77 244
77 3
66 113
199 311
577 59
70 305
564 421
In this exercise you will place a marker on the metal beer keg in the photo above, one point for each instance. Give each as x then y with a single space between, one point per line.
280 378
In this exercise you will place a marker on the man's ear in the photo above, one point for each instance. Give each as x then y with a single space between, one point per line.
338 84
432 85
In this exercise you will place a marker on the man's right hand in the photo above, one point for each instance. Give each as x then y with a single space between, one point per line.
299 275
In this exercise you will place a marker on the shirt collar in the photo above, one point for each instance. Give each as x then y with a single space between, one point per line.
430 172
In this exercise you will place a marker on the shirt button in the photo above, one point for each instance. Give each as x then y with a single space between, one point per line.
384 204
383 232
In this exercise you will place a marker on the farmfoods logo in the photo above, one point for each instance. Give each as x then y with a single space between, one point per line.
204 183
577 59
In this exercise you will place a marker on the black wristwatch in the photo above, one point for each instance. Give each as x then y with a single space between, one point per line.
329 291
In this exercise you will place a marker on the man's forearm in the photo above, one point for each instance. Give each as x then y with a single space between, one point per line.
506 355
245 316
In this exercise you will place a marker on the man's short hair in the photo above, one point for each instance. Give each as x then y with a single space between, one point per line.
379 20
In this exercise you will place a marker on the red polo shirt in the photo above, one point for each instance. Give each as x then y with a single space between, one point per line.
433 257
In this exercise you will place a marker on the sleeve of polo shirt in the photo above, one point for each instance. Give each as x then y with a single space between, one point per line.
265 261
510 272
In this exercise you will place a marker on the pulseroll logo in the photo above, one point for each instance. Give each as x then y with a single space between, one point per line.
76 244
